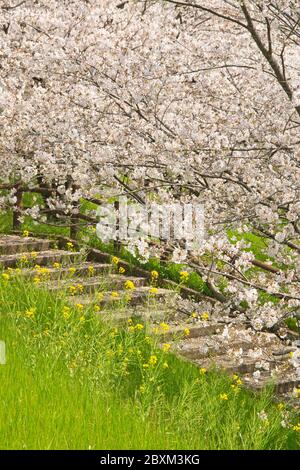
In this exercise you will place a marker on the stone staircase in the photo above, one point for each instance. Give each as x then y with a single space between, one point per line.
259 358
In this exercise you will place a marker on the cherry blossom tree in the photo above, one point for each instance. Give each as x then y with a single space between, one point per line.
176 101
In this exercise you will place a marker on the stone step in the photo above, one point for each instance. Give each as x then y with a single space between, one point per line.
10 244
137 296
73 271
42 258
95 283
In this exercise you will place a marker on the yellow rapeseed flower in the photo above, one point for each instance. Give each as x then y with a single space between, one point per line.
165 365
121 270
154 276
202 371
91 270
164 326
166 347
33 255
66 312
186 332
5 276
56 265
223 396
139 326
25 233
79 306
153 291
82 319
297 427
97 308
114 295
30 313
36 280
100 296
70 245
72 270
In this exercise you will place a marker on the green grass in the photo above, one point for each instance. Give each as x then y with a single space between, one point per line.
75 382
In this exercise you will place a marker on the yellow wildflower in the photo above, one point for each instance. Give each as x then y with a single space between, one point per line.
153 291
184 275
139 326
296 393
66 312
223 396
97 308
33 255
129 285
70 245
25 233
297 427
164 327
194 315
36 280
166 347
121 270
205 316
30 313
91 270
153 360
142 388
72 270
79 306
56 265
202 371
281 406
186 332
154 275
115 260
44 272
114 295
23 259
82 319
127 298
129 321
5 276
165 365
100 296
